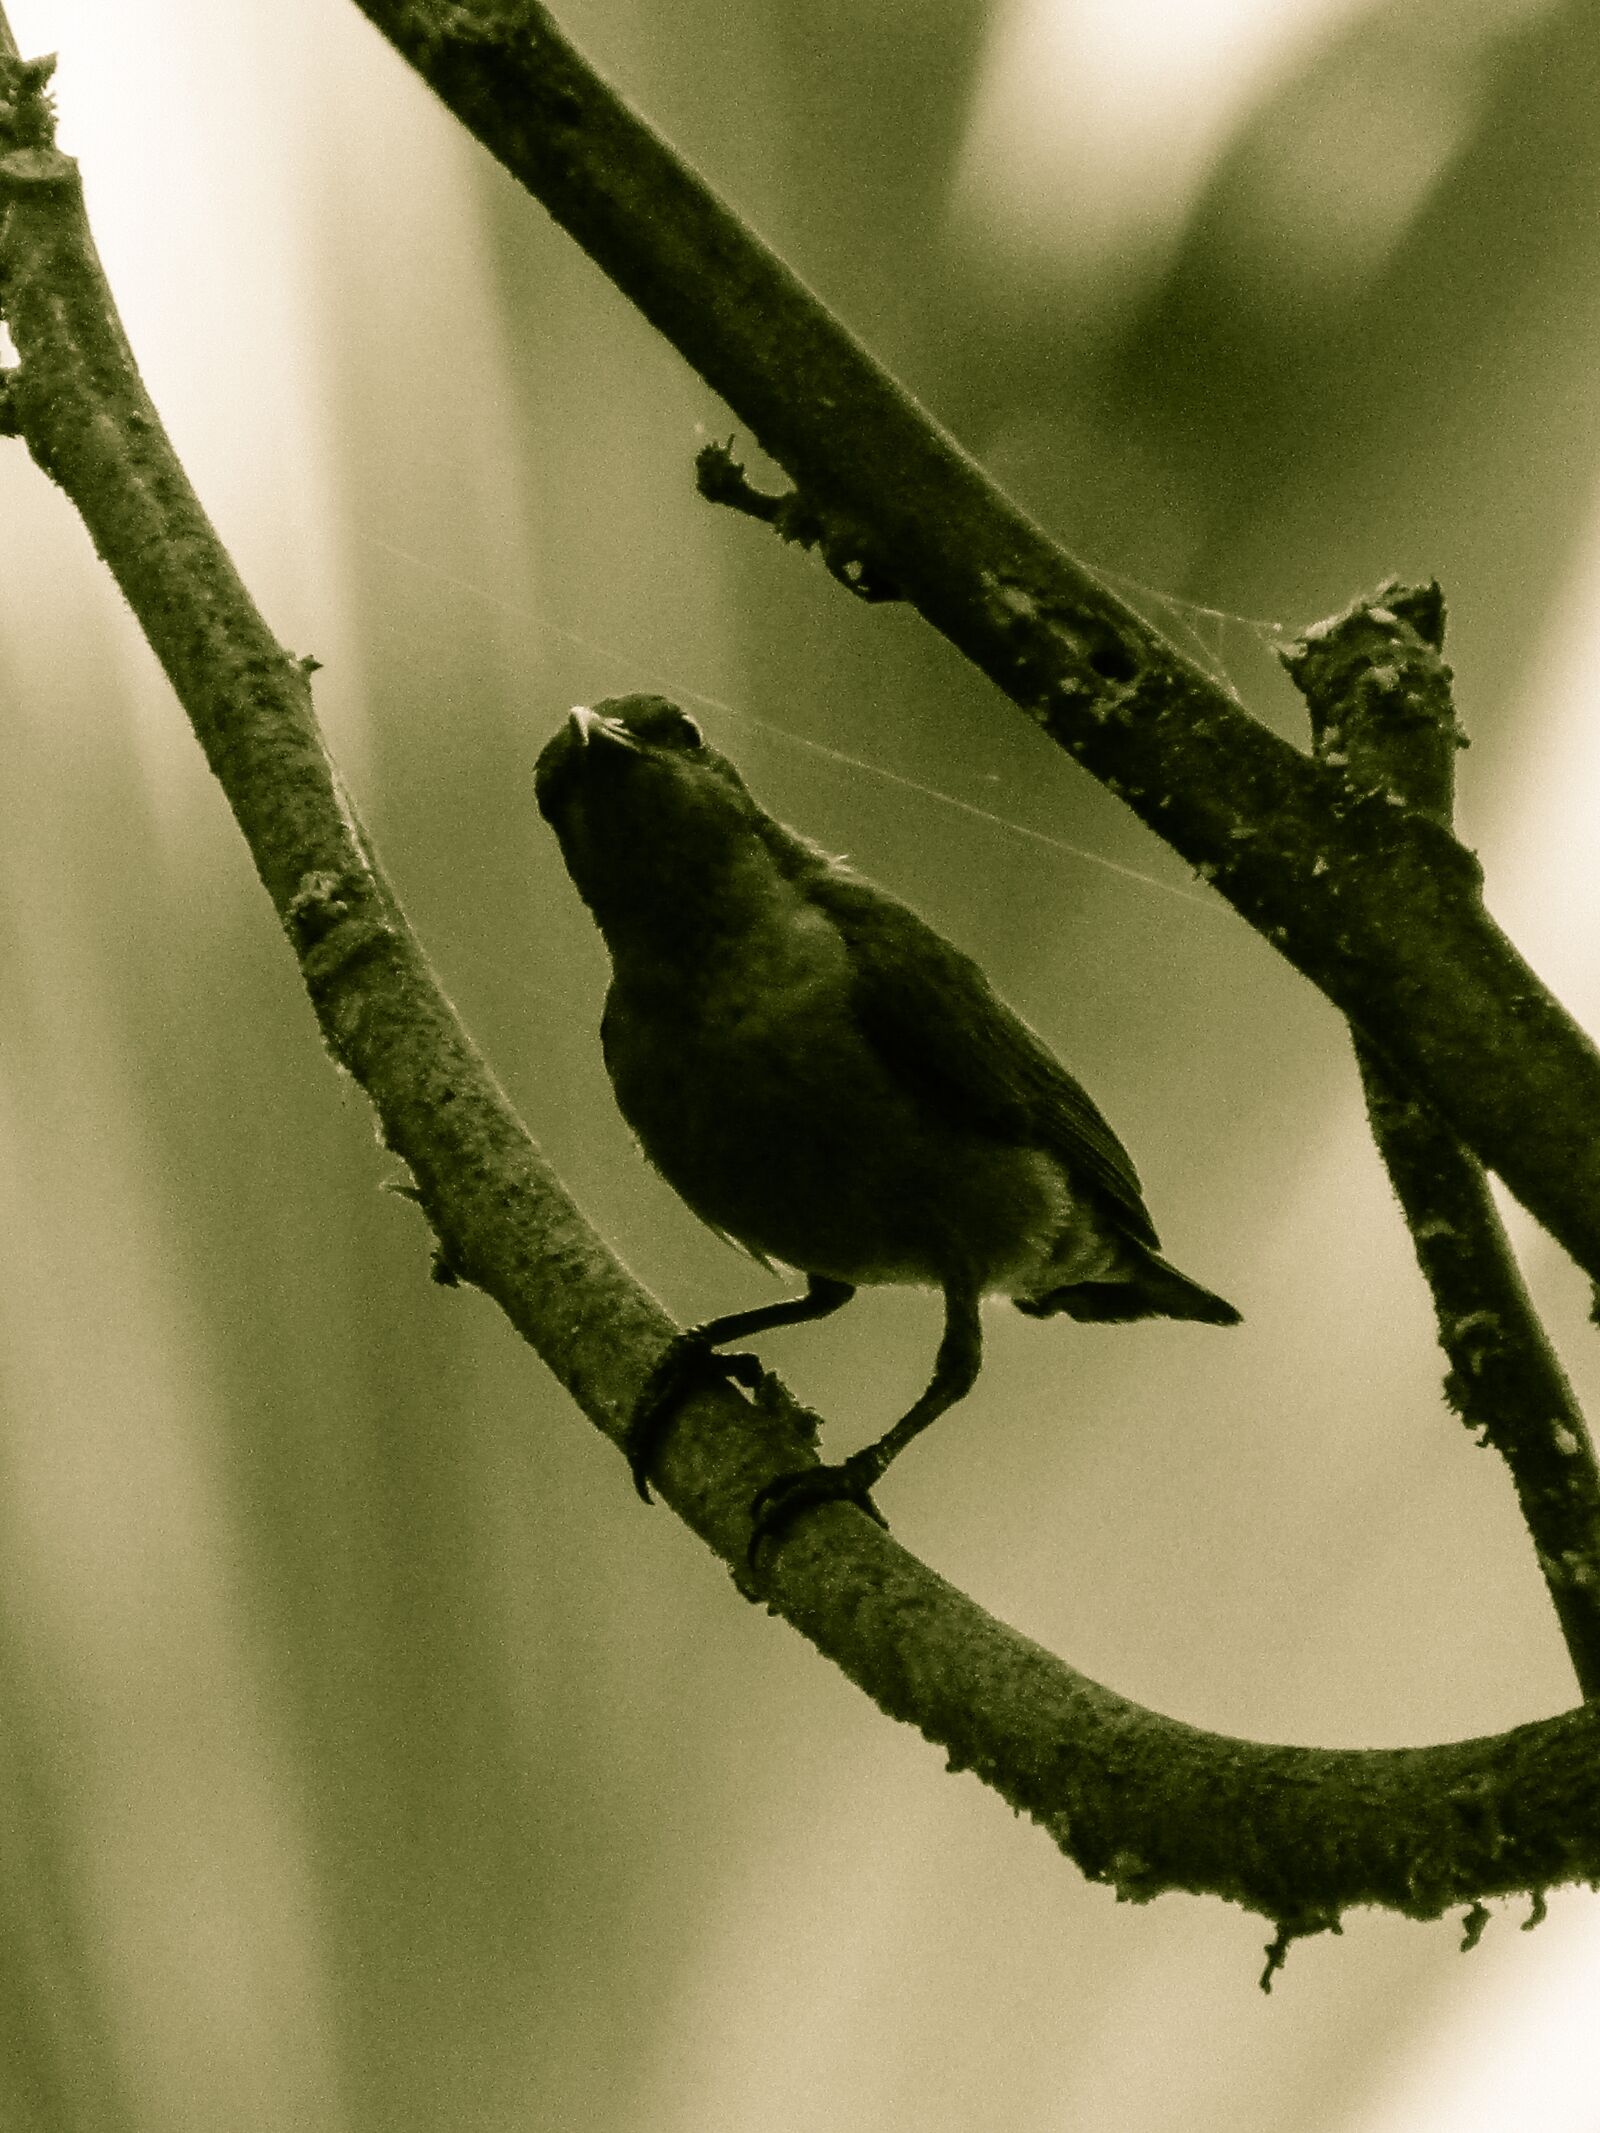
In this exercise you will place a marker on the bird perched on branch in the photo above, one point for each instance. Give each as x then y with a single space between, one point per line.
829 1083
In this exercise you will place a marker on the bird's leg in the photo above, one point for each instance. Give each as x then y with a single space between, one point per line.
955 1371
690 1357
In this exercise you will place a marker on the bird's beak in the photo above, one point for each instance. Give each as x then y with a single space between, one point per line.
589 725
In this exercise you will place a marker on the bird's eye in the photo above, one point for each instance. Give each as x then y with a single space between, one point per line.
665 726
653 722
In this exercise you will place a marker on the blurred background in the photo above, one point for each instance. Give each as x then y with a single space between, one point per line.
371 1760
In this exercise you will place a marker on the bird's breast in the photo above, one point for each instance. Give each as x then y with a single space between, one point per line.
753 1090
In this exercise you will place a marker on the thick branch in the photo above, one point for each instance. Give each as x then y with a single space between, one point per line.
1379 697
1373 903
1136 1799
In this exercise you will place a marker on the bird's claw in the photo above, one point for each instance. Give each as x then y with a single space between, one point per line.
687 1361
776 1505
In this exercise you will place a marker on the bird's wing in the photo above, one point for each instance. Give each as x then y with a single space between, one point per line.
932 1016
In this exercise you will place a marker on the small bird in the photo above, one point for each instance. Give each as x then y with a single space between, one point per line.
830 1084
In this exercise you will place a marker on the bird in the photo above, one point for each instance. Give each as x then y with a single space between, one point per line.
831 1085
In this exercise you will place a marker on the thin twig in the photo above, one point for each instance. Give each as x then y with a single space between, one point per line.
1378 691
793 517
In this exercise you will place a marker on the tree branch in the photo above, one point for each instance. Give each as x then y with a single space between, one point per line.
1135 1799
1379 696
1374 903
844 549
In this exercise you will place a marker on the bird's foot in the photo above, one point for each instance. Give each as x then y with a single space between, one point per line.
780 1502
687 1362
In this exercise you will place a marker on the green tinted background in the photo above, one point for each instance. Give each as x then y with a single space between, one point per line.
371 1760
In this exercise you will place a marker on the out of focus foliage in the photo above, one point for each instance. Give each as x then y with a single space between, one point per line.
372 1760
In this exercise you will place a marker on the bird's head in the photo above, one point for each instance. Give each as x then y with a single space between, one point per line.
652 822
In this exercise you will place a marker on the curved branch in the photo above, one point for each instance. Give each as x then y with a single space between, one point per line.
1135 1799
1375 904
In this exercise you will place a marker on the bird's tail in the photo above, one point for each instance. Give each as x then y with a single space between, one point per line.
1152 1289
